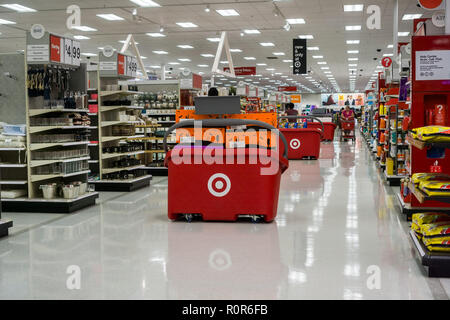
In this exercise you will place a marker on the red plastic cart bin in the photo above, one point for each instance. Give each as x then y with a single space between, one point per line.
348 130
221 191
329 129
303 143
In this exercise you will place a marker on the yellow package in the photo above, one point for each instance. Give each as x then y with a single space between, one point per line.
432 134
441 246
435 188
429 217
436 230
417 230
423 177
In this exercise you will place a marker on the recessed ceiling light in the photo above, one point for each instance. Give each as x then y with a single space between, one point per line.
353 65
390 46
352 51
252 31
388 55
143 58
313 48
184 59
207 55
261 64
352 59
160 52
321 62
213 39
81 37
235 50
352 28
187 24
18 7
318 57
3 21
287 60
110 17
279 54
325 68
202 65
88 54
185 46
403 34
270 69
146 3
296 21
353 41
84 28
327 72
412 16
223 62
353 7
228 12
267 44
156 35
249 58
174 63
306 36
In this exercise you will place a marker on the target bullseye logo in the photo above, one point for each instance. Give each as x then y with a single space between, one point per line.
295 144
219 185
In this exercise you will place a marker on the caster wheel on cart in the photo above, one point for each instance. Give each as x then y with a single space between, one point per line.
188 217
256 219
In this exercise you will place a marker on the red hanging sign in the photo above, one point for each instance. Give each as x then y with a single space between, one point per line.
431 4
121 64
386 62
286 88
242 71
55 49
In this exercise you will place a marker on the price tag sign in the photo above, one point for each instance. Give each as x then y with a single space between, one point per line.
68 51
436 168
76 53
129 66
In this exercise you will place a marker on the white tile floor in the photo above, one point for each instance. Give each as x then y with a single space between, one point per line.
335 220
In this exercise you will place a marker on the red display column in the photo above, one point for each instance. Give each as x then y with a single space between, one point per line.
430 89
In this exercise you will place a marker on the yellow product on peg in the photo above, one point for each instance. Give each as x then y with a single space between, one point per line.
390 166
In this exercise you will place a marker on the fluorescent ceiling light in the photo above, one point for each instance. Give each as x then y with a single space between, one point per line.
353 65
88 54
353 41
313 48
143 58
160 52
207 55
155 67
146 3
18 7
249 58
174 63
202 65
270 69
318 57
84 28
223 62
353 7
287 60
390 46
81 37
327 72
321 62
261 64
306 36
235 50
228 12
412 16
184 60
325 68
155 35
252 31
352 28
187 24
403 34
267 44
213 39
296 21
352 51
124 41
185 46
388 55
352 59
279 54
109 17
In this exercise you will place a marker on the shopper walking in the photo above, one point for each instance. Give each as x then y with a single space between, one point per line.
290 111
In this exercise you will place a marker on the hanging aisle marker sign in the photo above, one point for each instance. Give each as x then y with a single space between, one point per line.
133 63
300 56
223 43
386 62
432 4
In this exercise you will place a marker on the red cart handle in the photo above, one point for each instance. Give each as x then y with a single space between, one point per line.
214 123
306 117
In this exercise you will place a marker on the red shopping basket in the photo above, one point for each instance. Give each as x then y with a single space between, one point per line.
329 129
229 188
303 143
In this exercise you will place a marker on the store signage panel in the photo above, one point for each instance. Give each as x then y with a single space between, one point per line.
300 56
37 52
296 98
186 83
197 81
433 65
242 71
287 89
76 53
121 64
67 51
108 66
56 49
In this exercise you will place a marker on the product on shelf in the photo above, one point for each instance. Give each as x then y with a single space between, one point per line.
432 134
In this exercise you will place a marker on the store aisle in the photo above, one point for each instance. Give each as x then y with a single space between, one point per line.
336 221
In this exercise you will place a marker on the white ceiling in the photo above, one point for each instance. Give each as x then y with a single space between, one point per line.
325 20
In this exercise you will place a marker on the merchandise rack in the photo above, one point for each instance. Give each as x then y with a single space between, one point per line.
112 74
4 223
39 121
94 163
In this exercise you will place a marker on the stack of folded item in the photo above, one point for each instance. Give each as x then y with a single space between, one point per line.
433 229
431 134
432 184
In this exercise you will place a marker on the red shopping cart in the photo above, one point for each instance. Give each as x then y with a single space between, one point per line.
348 130
303 143
231 186
329 129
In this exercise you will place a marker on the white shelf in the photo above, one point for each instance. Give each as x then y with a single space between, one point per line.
37 129
114 138
36 112
56 200
121 181
111 170
12 149
38 146
116 155
93 161
12 165
38 177
113 123
118 92
13 182
113 108
37 163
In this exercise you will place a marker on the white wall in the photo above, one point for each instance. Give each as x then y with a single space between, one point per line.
311 99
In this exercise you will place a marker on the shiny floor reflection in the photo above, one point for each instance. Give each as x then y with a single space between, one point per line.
336 224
